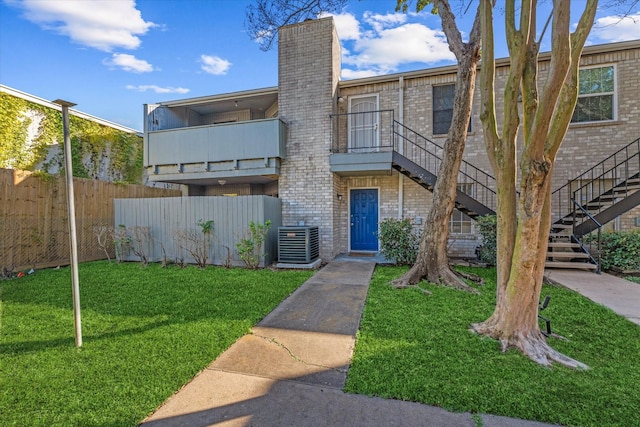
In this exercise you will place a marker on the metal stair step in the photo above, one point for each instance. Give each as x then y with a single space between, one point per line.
561 234
565 226
570 265
563 245
567 254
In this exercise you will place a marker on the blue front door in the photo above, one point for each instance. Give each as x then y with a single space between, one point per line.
364 220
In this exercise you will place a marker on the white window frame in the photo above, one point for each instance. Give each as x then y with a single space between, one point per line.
614 94
375 145
463 218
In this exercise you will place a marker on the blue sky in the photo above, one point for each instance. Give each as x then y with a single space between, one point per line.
110 57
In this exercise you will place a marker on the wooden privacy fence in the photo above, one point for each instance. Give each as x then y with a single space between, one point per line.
167 228
34 228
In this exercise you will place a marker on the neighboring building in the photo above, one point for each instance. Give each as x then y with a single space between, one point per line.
30 140
344 155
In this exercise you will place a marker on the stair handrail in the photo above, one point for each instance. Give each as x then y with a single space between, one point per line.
596 174
582 246
404 145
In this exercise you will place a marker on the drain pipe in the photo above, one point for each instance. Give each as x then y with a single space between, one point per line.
401 120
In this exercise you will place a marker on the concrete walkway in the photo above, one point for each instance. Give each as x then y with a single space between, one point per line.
291 369
620 295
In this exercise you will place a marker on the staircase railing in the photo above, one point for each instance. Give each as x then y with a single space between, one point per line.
589 251
595 188
428 155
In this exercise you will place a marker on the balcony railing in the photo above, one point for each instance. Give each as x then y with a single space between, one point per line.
364 132
255 146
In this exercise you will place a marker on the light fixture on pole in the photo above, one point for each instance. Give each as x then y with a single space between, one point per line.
73 240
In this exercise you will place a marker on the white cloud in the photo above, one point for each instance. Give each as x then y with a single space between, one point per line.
381 43
348 74
101 24
158 89
380 22
128 63
214 64
347 26
608 29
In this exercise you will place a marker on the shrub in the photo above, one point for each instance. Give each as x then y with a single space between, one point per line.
196 241
250 247
620 249
398 241
487 252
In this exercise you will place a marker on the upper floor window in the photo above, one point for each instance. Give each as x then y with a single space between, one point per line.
443 108
596 95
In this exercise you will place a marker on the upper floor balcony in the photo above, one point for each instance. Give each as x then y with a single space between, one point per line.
212 152
204 140
362 143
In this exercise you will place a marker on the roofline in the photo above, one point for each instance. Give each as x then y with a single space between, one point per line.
500 62
219 97
36 100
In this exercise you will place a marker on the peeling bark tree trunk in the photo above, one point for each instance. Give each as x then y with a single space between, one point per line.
523 234
432 261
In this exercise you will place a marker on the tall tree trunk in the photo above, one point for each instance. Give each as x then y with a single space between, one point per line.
546 119
432 261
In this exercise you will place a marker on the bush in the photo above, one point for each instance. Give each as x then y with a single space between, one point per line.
250 247
487 252
620 249
398 241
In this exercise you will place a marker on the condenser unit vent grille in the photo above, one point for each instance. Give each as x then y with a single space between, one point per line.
298 245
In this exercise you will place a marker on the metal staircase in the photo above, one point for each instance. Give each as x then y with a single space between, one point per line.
588 202
607 190
582 206
419 158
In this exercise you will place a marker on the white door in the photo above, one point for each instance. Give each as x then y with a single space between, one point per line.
364 124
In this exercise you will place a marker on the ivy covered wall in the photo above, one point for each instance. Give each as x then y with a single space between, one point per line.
31 137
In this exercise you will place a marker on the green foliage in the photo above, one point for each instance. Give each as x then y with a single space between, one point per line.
93 146
403 6
416 348
634 279
620 249
14 124
250 247
487 252
398 241
205 226
147 332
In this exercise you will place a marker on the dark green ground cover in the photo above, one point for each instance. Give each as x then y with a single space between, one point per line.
147 331
419 348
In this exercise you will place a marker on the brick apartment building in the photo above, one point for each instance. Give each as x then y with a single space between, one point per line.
344 155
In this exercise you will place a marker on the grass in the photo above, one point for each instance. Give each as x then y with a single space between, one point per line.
147 331
634 279
418 348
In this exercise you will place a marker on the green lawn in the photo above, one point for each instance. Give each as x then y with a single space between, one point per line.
416 347
147 331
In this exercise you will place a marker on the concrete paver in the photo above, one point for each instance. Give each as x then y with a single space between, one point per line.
290 370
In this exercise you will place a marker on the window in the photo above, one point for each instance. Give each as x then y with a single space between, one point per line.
596 95
443 108
460 223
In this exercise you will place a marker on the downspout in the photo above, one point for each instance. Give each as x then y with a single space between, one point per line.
401 120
